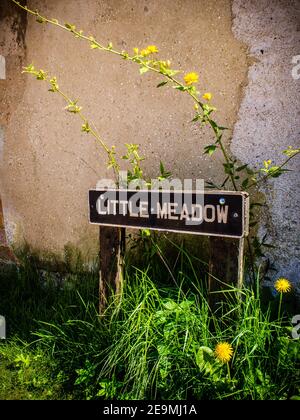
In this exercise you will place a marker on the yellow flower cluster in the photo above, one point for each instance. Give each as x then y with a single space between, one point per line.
191 78
151 49
224 352
207 96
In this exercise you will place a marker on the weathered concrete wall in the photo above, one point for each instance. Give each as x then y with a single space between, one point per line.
48 165
12 52
268 119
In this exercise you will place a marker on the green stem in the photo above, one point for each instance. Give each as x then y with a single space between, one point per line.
84 119
251 259
224 152
264 178
228 371
93 132
279 307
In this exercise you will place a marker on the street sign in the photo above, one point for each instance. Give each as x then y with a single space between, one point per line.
210 213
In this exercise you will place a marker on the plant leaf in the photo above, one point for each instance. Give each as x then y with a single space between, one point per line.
161 84
210 149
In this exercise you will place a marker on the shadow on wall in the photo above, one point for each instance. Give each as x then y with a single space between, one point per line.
19 19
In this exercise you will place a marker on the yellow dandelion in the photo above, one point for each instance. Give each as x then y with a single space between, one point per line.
136 51
224 352
207 96
191 78
283 285
152 49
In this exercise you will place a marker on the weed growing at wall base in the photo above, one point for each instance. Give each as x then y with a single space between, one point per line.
156 341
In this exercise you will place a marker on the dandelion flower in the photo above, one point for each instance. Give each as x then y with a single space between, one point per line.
283 285
191 78
207 96
224 352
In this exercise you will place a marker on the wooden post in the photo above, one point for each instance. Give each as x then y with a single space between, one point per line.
224 267
112 246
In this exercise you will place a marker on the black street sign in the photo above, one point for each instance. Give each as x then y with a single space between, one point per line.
212 213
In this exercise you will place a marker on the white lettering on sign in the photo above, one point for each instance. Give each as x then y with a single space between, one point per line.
222 212
184 215
162 212
144 209
171 211
212 213
197 209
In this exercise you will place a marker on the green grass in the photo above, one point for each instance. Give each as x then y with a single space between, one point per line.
27 374
28 295
155 341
